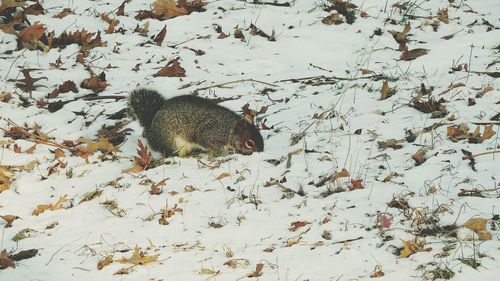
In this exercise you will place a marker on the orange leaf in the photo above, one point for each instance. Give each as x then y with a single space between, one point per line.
32 33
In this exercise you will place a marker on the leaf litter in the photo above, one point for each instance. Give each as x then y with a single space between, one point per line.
346 100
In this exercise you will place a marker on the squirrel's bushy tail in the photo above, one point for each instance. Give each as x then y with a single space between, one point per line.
145 104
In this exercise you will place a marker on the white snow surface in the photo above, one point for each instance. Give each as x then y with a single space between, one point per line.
253 215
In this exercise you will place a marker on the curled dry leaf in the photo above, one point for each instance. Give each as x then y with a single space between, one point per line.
411 247
32 33
95 83
9 219
222 175
52 207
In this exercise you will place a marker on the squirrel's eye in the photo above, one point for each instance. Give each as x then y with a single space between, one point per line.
250 144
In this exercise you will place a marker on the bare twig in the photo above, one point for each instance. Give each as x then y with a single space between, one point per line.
221 85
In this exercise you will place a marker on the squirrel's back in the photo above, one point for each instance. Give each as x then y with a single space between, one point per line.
181 124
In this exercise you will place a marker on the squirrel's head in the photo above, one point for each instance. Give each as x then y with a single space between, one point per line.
246 137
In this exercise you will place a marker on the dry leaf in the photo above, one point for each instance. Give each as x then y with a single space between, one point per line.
333 18
63 13
419 157
172 69
106 261
52 207
5 260
94 83
258 270
411 247
488 132
138 257
386 91
93 146
442 15
413 54
142 161
166 9
9 219
342 174
5 179
223 175
297 224
32 33
161 36
478 225
400 37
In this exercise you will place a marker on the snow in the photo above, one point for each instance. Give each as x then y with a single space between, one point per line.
243 213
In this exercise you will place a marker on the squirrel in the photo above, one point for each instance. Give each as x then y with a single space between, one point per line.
183 124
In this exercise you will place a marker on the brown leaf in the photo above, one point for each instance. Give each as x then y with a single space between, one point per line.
488 132
413 54
400 36
258 270
5 260
32 33
142 162
106 261
120 11
297 224
94 83
428 106
356 184
5 96
172 69
442 15
63 13
238 33
156 187
35 9
115 134
456 133
166 9
161 36
386 91
419 157
26 254
27 84
333 18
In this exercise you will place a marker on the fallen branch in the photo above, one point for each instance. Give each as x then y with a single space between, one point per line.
221 85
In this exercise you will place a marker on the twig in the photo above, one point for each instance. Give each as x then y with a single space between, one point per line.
480 154
221 85
348 240
327 78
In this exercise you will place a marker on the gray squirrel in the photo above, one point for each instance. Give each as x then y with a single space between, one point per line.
183 124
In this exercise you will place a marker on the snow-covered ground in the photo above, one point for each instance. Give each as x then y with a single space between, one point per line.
354 182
